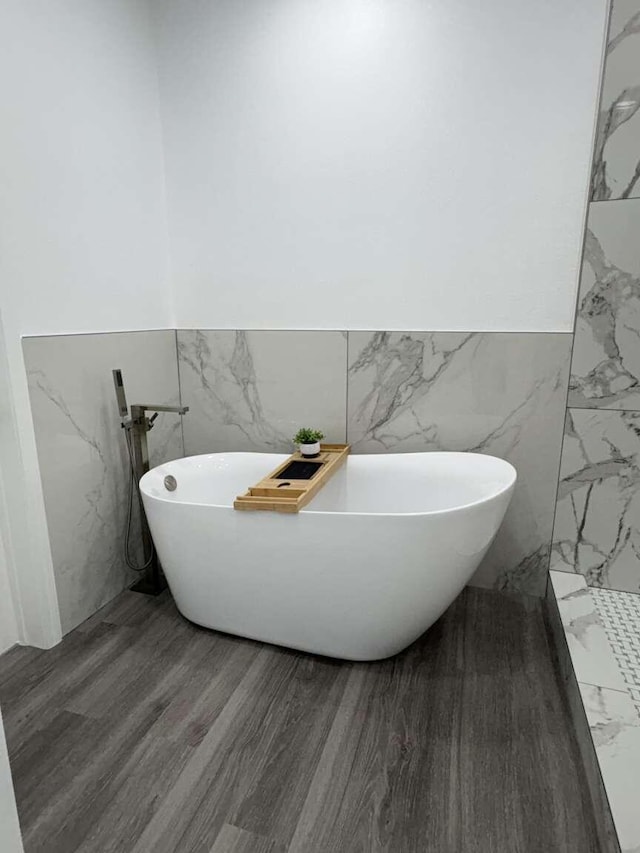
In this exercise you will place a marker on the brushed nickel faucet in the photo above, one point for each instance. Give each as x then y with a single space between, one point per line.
137 427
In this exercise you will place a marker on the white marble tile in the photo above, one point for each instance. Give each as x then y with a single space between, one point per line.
252 390
597 524
616 168
591 655
496 393
82 454
565 584
605 369
615 727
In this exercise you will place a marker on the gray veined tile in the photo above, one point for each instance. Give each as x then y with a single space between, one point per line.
496 393
616 167
615 727
252 390
597 526
605 370
591 655
82 455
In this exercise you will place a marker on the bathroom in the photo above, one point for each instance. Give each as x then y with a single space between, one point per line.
412 225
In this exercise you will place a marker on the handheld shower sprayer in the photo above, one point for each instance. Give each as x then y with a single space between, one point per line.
120 395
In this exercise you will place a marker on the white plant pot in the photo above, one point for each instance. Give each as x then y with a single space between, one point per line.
310 449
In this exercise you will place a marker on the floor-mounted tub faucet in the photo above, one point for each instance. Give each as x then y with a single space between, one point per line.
136 427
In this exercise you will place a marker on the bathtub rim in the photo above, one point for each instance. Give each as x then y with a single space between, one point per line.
168 499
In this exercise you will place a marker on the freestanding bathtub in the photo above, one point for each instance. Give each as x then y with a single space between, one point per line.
371 562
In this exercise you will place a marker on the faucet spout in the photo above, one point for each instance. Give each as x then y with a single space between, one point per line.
138 409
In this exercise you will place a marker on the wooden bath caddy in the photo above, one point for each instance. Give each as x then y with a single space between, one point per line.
282 492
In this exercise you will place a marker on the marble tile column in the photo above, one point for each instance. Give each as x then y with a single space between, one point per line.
605 370
597 525
616 166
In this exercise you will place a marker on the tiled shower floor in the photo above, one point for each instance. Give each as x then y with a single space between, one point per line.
620 615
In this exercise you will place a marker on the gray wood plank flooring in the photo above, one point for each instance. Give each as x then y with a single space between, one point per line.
141 733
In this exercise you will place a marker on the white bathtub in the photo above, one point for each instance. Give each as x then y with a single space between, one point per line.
360 573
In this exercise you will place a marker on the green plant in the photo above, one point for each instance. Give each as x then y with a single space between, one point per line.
307 436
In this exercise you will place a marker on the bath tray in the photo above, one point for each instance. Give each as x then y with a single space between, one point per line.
293 483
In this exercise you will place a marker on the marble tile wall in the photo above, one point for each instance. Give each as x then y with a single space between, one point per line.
605 370
495 393
616 167
82 454
597 526
251 390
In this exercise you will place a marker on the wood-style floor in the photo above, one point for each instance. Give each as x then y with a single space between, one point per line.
142 733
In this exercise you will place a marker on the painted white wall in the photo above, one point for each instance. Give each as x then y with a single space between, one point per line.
82 219
82 207
10 837
414 164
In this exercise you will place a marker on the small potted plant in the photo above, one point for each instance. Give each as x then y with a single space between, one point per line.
308 440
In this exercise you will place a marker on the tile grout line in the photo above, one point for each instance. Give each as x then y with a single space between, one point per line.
184 450
421 331
346 401
596 589
603 409
605 687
